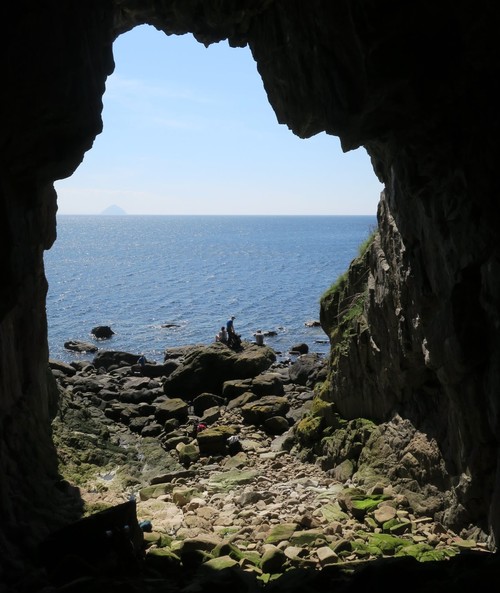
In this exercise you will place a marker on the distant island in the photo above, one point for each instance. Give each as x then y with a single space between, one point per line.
113 210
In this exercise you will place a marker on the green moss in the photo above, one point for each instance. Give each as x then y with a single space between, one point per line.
306 538
232 478
309 429
281 533
220 563
364 550
368 502
388 544
426 553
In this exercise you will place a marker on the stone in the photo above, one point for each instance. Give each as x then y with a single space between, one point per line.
204 401
259 411
272 560
80 346
64 368
267 384
211 415
206 368
102 332
326 556
188 453
174 408
384 513
108 359
213 440
300 348
280 533
276 425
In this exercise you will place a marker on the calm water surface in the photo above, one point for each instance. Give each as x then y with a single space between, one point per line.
139 274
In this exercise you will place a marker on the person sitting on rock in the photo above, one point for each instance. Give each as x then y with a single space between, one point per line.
259 338
222 336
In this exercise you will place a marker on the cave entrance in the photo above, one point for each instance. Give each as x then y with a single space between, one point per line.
188 131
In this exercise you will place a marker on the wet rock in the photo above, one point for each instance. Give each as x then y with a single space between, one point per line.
108 359
301 348
102 332
80 346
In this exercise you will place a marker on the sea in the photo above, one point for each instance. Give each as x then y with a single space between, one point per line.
166 281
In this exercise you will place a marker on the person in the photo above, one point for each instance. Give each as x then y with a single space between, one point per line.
230 326
259 338
222 336
233 339
138 367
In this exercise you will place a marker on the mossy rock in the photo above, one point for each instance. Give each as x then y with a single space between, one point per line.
155 491
332 512
281 533
426 553
388 544
365 550
399 527
230 549
220 563
308 537
360 504
232 478
309 429
273 560
162 559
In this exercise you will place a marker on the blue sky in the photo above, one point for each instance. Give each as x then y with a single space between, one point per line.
189 130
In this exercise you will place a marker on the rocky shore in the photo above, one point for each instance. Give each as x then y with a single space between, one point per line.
207 449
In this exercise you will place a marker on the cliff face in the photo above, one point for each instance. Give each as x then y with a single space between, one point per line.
413 83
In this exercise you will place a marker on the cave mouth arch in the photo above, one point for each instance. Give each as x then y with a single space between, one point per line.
211 148
422 116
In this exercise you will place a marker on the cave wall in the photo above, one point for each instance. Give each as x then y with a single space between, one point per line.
412 82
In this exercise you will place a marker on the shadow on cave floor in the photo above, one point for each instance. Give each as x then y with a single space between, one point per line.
465 572
108 552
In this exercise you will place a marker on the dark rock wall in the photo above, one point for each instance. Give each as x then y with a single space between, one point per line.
413 82
55 58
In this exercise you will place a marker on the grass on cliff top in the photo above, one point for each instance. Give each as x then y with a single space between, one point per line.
342 279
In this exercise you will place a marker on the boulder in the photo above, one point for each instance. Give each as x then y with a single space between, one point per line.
204 401
206 368
112 358
304 368
172 408
213 441
156 370
257 412
79 346
276 425
300 348
268 384
62 367
102 332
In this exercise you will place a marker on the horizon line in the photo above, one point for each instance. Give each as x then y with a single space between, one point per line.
192 214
